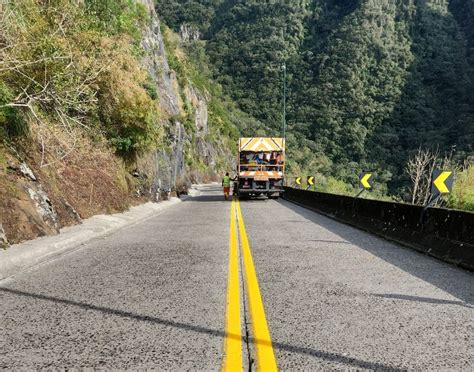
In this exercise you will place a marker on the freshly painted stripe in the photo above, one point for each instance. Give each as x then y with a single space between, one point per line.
265 356
233 336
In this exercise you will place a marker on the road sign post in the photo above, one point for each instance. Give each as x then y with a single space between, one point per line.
441 184
366 182
298 181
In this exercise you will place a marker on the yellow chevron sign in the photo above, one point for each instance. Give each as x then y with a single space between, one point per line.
257 144
310 180
298 181
366 181
442 182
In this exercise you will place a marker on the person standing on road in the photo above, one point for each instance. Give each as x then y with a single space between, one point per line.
226 185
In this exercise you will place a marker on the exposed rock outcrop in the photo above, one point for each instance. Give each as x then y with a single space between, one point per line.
189 32
22 169
37 201
27 172
205 150
157 64
45 208
199 103
170 166
3 238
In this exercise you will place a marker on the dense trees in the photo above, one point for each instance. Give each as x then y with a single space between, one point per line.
198 13
249 44
436 107
369 81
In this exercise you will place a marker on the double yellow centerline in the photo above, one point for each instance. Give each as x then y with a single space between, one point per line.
265 357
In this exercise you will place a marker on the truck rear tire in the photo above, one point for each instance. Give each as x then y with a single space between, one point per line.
242 196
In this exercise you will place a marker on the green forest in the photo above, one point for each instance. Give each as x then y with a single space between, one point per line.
109 102
372 84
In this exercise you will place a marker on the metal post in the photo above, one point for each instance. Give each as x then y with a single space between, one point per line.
360 193
433 202
425 209
284 101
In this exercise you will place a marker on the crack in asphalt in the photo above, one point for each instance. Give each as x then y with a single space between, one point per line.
244 302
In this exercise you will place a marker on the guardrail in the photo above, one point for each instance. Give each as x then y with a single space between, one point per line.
442 233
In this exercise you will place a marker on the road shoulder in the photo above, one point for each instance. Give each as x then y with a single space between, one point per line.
23 256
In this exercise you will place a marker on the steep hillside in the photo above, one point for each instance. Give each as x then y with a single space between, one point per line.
100 108
369 81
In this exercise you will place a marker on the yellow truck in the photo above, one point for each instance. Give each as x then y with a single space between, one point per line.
261 167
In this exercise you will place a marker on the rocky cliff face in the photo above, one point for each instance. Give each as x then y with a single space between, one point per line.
157 63
203 149
171 95
36 200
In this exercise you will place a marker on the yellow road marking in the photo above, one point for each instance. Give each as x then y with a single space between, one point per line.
233 337
265 355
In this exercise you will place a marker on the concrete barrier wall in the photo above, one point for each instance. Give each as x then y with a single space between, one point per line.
442 233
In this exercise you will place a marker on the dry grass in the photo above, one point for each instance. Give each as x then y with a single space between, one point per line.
17 213
91 179
463 193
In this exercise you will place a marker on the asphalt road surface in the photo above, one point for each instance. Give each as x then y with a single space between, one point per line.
260 284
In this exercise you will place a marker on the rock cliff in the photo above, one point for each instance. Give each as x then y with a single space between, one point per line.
37 200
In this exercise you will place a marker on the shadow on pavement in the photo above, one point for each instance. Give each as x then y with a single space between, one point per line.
207 198
215 197
446 277
333 357
330 241
430 300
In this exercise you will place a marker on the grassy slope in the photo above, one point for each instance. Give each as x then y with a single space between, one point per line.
83 147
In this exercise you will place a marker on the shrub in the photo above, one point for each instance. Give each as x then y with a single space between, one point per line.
114 17
128 115
463 191
11 122
71 65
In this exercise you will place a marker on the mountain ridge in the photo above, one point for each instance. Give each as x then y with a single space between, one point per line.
369 82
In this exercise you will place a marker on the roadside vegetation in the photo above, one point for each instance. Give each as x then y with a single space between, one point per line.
369 82
74 108
79 107
77 68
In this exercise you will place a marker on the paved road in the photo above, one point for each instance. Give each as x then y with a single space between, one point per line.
156 295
